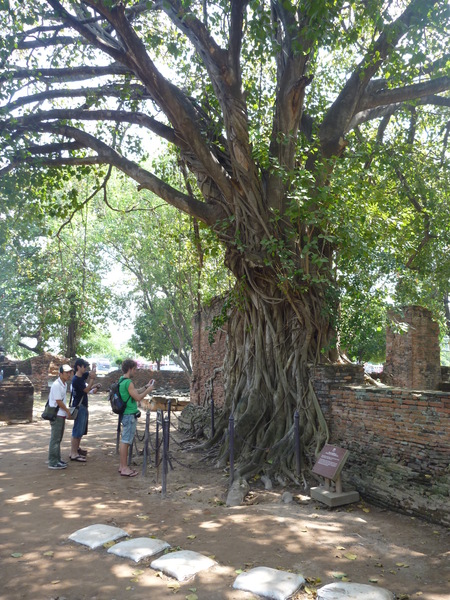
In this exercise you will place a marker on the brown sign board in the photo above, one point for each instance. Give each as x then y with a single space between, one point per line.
330 462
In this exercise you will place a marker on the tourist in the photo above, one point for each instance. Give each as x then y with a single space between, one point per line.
57 397
131 396
83 382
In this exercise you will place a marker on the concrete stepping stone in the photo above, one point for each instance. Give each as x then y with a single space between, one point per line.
353 591
138 548
97 535
269 583
183 564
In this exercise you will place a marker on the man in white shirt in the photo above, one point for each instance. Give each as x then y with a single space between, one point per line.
57 397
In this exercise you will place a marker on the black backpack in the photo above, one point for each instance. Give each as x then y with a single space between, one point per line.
117 404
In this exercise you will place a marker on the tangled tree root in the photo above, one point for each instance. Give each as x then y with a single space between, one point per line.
195 421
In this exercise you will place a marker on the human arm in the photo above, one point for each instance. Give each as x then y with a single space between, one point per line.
62 406
139 394
90 383
148 387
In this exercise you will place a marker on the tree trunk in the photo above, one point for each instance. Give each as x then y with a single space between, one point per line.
271 341
72 328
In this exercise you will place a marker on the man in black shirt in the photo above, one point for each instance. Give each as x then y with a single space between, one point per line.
82 383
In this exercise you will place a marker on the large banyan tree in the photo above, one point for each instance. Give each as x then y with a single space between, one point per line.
262 102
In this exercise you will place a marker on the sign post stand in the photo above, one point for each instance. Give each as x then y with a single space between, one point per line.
329 465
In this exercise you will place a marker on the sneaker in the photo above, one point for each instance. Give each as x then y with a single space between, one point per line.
62 462
58 466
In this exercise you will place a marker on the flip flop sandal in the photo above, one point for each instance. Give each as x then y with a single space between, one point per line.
130 474
82 452
78 459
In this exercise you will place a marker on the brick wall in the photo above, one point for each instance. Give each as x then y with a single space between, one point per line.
165 380
207 359
16 399
399 441
413 354
42 370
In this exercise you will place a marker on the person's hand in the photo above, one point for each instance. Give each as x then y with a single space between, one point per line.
149 386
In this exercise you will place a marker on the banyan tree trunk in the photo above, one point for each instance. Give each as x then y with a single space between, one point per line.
271 342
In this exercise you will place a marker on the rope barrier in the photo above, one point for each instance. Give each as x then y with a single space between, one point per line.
159 443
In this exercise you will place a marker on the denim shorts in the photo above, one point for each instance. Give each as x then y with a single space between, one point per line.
129 423
79 426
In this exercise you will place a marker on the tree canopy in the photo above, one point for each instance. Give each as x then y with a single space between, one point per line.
51 292
284 116
175 267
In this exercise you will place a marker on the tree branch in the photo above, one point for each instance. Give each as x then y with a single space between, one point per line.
341 112
203 211
93 34
135 92
386 97
118 116
376 113
66 74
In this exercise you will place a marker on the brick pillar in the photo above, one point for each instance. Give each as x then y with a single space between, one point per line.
16 399
207 359
412 350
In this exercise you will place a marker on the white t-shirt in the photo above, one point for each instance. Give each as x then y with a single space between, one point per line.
58 392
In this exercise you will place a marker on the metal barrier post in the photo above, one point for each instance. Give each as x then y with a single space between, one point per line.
231 444
213 430
158 423
119 422
165 428
146 438
130 452
169 407
297 443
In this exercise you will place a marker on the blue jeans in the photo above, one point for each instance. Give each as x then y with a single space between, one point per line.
129 423
80 423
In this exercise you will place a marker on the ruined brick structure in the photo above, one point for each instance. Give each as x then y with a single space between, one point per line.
166 380
399 438
17 390
412 350
16 399
207 358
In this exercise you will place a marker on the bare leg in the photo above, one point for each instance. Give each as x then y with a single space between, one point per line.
123 454
124 469
75 444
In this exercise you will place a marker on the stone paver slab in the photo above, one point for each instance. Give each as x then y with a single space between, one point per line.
269 583
183 564
139 548
353 591
97 535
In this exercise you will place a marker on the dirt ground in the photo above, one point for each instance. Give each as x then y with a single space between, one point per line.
41 508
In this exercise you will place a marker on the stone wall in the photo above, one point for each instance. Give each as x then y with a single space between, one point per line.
412 350
399 441
16 399
207 359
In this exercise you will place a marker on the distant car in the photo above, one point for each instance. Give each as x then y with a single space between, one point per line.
103 367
